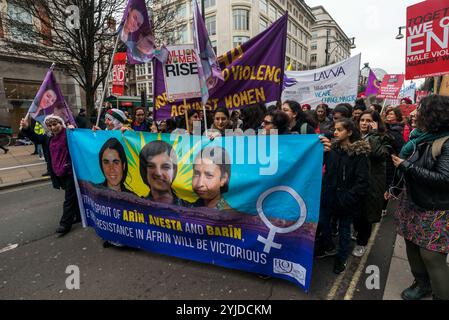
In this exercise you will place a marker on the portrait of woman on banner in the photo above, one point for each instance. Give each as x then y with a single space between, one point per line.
43 105
133 22
211 177
113 165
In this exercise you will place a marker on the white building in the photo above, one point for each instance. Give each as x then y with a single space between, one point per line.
327 32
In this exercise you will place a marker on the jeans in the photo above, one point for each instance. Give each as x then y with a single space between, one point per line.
40 151
326 241
344 228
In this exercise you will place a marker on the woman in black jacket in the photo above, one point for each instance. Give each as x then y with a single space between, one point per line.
422 217
372 129
345 184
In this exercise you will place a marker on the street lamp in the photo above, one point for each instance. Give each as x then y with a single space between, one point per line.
328 54
400 35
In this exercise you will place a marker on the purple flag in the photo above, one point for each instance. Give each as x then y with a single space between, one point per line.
136 32
49 100
373 85
208 70
253 73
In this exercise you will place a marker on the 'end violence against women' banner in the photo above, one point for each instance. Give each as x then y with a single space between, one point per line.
203 200
427 37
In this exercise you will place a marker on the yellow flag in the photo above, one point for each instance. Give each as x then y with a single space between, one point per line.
290 67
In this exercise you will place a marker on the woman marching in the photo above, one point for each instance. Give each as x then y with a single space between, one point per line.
422 217
345 184
59 165
372 129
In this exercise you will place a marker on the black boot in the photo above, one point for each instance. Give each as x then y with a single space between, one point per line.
419 289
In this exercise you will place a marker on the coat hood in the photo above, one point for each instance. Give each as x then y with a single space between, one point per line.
356 148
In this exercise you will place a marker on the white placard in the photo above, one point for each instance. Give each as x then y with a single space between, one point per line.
181 73
332 84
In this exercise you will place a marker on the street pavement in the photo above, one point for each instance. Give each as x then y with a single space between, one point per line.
18 167
33 261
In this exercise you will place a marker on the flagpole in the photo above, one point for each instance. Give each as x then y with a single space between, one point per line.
186 116
107 80
204 116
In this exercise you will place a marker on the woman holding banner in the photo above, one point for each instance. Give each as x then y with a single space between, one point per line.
345 184
60 167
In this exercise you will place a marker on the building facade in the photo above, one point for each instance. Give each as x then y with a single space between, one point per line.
233 22
327 33
22 74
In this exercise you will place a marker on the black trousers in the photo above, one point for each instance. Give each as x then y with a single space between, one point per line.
70 208
363 228
429 266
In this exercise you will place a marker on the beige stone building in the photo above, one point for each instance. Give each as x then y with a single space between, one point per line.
21 75
327 32
232 22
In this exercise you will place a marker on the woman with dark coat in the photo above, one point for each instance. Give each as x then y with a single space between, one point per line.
395 130
422 217
345 184
372 129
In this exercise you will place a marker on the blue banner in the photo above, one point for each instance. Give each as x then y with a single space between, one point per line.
254 207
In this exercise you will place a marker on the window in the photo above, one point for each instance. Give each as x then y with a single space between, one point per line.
141 87
181 11
263 25
307 23
141 69
313 58
314 35
182 34
211 25
263 6
239 40
208 3
214 46
301 18
272 12
24 32
241 19
313 46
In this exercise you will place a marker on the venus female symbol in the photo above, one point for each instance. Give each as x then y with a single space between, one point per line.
269 241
